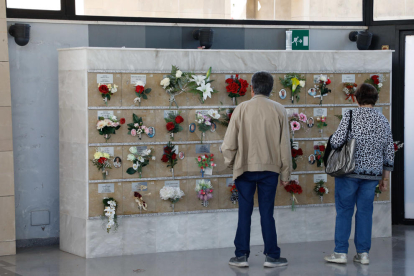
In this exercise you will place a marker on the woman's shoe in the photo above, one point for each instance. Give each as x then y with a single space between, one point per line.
362 258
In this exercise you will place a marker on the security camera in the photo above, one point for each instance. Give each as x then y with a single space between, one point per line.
362 38
21 33
205 35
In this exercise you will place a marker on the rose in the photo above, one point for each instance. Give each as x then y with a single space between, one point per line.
122 121
379 85
179 119
170 126
322 190
167 150
139 89
232 88
165 82
178 74
164 158
322 148
299 152
199 159
174 156
102 160
294 153
134 132
229 80
103 89
328 81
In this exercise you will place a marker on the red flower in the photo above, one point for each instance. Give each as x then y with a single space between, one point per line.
230 116
315 147
164 158
170 126
211 155
328 81
174 156
232 88
179 119
136 194
122 121
167 150
212 159
103 89
395 147
299 152
322 148
229 80
102 160
322 190
294 188
355 85
294 153
375 78
139 89
318 157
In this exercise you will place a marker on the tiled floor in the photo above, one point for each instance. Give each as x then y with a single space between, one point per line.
389 256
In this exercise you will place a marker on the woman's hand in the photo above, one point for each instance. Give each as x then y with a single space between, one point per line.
383 185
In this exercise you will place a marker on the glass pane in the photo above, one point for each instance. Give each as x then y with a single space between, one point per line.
393 9
52 5
295 10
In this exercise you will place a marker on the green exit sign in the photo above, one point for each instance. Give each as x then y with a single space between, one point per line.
300 39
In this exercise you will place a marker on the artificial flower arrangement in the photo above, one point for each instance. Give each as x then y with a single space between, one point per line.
136 128
175 83
201 86
321 189
226 115
173 124
139 160
173 194
204 122
110 206
140 202
296 153
204 162
398 145
349 90
294 188
323 81
107 90
170 156
375 81
296 121
319 151
106 127
141 92
234 198
101 161
204 191
236 87
321 122
294 82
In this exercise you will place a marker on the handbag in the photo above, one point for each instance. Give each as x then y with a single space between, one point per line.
341 161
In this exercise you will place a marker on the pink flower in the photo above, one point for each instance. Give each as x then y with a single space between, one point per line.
303 118
212 164
145 129
323 120
295 115
294 125
133 132
199 159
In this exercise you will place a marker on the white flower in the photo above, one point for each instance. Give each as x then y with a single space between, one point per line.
140 83
146 152
131 157
203 157
302 83
200 121
133 150
214 114
322 78
101 124
326 190
114 89
139 131
135 166
140 159
165 82
380 84
178 74
153 158
206 89
113 118
136 100
208 123
198 79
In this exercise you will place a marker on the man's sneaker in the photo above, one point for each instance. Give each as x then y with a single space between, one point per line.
361 258
271 262
239 261
339 258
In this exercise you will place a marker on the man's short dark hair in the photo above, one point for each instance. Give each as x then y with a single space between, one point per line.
262 83
366 94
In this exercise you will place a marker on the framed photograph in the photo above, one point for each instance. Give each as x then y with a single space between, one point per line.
310 122
151 132
312 91
282 94
117 162
192 127
312 159
213 127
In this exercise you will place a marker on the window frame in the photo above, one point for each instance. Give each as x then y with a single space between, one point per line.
372 22
68 12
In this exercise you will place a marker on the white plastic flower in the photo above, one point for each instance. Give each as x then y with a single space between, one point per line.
326 190
133 150
206 89
153 158
165 82
322 78
140 159
146 152
135 166
114 89
101 124
198 79
136 99
380 84
208 123
302 83
106 155
139 83
113 118
214 114
178 74
131 157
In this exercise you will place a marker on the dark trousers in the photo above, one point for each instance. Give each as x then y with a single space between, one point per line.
246 185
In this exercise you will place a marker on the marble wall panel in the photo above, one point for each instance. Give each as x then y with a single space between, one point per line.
150 196
320 223
162 134
103 244
381 220
171 233
291 225
95 97
227 225
73 198
96 207
164 206
72 235
148 171
113 173
138 239
120 134
6 173
7 214
202 231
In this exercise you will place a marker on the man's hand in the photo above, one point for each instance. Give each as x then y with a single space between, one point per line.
284 183
383 185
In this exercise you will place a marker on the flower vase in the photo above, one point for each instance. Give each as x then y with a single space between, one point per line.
172 172
104 173
204 203
203 134
107 137
139 135
321 132
234 101
377 194
321 199
105 101
172 136
173 206
139 101
293 202
172 100
202 173
292 98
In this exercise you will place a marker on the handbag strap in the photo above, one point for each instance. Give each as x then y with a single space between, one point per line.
349 126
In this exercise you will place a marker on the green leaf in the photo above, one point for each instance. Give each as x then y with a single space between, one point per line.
147 91
145 97
294 165
131 171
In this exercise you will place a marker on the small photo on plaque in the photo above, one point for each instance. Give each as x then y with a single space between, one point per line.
213 127
117 162
310 122
151 132
312 92
282 94
311 159
202 149
181 155
229 182
139 186
192 127
106 188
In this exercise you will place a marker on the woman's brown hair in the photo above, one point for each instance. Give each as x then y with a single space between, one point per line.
366 94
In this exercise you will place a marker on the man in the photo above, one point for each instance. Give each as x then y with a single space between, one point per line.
257 147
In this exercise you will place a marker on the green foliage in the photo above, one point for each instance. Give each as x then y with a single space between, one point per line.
339 117
131 171
170 147
135 119
321 124
171 119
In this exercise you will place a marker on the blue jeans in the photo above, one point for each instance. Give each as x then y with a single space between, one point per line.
348 192
246 185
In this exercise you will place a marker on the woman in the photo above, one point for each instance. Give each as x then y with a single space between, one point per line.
374 159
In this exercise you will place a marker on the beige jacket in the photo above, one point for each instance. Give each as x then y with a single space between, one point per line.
258 138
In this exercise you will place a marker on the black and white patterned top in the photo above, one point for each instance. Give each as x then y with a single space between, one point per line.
374 143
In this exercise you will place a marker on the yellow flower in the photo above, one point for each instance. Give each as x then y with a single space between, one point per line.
97 155
106 155
295 83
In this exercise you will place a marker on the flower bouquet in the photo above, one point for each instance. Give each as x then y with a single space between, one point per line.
293 188
100 160
204 122
137 127
319 153
234 198
236 87
349 90
139 160
296 153
110 205
201 86
226 115
321 189
375 81
204 191
295 82
205 162
141 203
141 92
321 123
175 83
107 90
296 121
173 194
106 127
173 124
323 81
170 156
